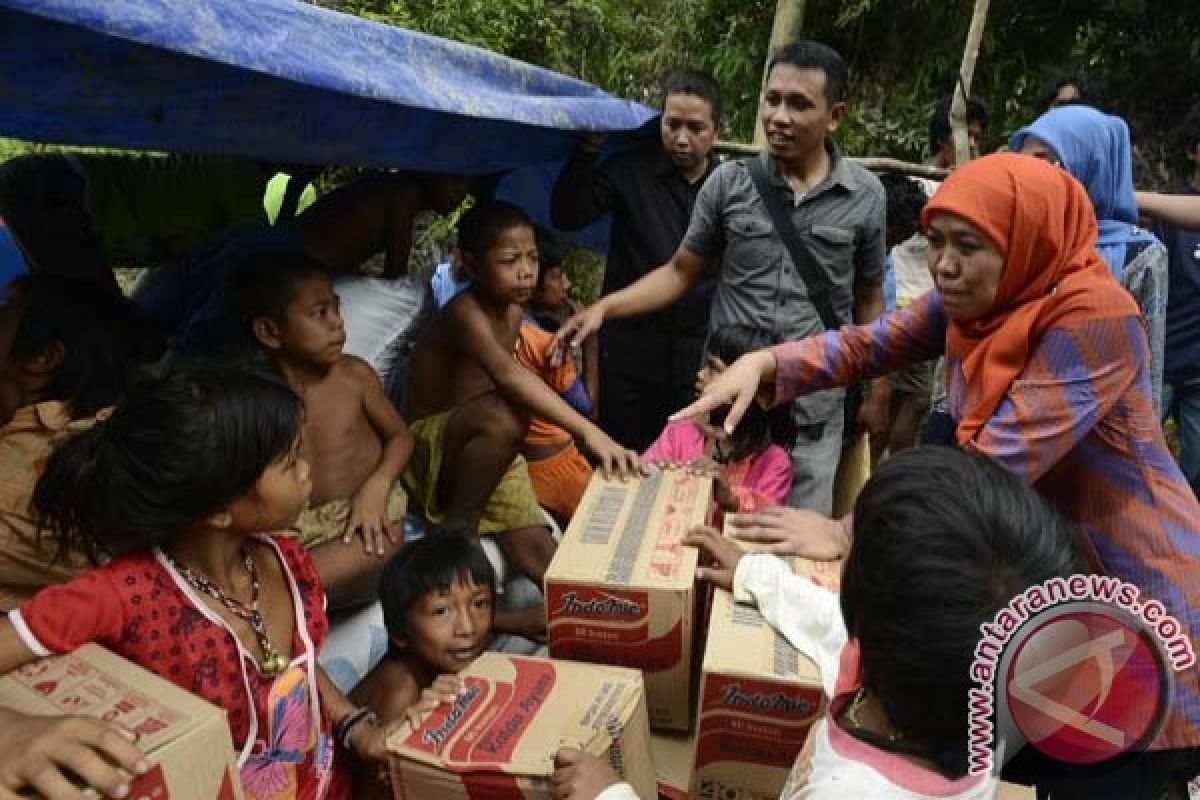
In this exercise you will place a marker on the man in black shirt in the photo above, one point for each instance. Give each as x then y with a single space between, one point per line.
647 363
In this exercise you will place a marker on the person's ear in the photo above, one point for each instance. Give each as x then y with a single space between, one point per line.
48 361
266 331
836 113
220 519
399 642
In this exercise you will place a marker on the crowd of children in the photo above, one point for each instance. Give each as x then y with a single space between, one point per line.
203 516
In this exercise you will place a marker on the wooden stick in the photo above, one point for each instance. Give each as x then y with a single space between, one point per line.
873 163
958 107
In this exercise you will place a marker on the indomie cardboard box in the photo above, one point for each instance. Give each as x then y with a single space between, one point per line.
498 739
672 753
759 697
620 589
185 739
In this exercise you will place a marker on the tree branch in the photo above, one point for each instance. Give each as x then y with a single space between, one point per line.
958 107
873 163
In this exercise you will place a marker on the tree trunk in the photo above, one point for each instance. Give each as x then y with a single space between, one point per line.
789 19
958 107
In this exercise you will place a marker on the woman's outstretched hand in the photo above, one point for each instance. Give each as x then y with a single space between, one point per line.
736 387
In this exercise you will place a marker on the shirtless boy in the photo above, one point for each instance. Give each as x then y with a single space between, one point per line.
470 401
354 222
353 437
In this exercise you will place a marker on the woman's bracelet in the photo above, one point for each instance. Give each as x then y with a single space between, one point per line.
342 731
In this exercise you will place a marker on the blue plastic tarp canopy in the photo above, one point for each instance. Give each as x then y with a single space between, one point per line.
284 81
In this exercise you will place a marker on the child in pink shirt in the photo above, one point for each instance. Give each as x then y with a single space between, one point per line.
751 468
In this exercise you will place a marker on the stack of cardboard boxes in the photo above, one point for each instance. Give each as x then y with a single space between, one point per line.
621 590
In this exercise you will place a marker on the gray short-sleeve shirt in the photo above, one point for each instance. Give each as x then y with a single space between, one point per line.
841 221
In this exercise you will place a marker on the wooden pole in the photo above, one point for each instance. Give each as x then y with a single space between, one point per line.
873 163
958 107
789 19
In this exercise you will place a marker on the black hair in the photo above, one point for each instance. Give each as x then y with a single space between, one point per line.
942 540
939 121
479 227
759 428
698 83
550 251
905 199
1055 85
807 54
186 440
264 283
1184 137
438 561
103 337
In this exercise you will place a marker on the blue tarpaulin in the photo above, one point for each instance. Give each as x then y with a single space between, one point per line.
284 81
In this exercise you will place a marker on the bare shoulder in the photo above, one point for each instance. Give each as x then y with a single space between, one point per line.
357 370
389 690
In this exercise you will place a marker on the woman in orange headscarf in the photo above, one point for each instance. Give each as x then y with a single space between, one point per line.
1047 372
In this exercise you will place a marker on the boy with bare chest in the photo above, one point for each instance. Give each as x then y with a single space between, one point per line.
469 400
353 436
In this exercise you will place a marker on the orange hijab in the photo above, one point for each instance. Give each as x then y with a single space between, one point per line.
1042 221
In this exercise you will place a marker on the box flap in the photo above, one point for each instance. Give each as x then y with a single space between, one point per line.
742 642
611 539
517 711
95 682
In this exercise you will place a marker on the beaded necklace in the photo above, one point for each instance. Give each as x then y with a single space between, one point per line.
273 662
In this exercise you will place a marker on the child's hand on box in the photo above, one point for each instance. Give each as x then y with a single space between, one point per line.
445 689
580 776
35 752
720 553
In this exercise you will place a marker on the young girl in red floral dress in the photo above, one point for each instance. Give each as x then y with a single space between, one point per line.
182 487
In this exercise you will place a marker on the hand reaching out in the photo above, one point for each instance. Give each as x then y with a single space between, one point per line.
719 556
738 386
573 331
791 532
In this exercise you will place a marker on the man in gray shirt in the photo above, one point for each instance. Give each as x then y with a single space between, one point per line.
838 209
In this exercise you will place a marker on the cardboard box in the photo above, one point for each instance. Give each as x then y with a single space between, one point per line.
1012 791
672 755
759 697
497 740
620 589
853 470
186 739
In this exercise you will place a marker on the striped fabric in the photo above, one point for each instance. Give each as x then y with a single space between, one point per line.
1078 425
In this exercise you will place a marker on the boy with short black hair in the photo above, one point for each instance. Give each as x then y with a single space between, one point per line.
470 401
438 596
354 438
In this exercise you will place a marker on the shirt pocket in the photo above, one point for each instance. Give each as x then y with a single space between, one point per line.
752 249
834 250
